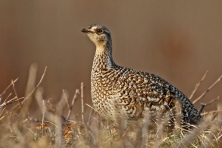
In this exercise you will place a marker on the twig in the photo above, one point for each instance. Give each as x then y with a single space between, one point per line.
201 107
203 94
7 97
13 86
2 110
90 106
10 101
90 115
92 110
66 98
82 103
213 100
42 77
215 111
39 121
4 102
198 84
72 104
28 96
44 122
43 114
203 104
8 87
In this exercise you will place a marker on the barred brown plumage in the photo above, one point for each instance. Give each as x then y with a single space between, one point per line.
118 91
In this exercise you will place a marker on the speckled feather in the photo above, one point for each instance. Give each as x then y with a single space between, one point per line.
118 91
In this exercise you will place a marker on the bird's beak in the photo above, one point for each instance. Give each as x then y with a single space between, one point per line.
84 30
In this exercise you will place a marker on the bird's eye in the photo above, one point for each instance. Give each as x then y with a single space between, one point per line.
99 30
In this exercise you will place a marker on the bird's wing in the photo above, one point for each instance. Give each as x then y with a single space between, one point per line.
140 91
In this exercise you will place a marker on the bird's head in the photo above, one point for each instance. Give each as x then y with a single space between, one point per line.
98 34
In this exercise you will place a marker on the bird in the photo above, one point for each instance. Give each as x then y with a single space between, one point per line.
120 92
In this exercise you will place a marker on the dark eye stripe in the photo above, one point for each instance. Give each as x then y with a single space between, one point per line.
99 30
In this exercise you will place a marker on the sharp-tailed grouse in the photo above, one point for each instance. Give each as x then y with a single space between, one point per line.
124 92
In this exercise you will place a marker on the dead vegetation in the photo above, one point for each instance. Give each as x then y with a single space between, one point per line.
55 129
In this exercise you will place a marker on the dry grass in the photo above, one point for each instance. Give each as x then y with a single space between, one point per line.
54 129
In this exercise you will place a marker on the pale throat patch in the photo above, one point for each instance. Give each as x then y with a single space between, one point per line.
100 49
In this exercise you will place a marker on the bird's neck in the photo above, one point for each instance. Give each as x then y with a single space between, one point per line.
103 57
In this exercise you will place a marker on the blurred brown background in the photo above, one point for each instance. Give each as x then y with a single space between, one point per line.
176 40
